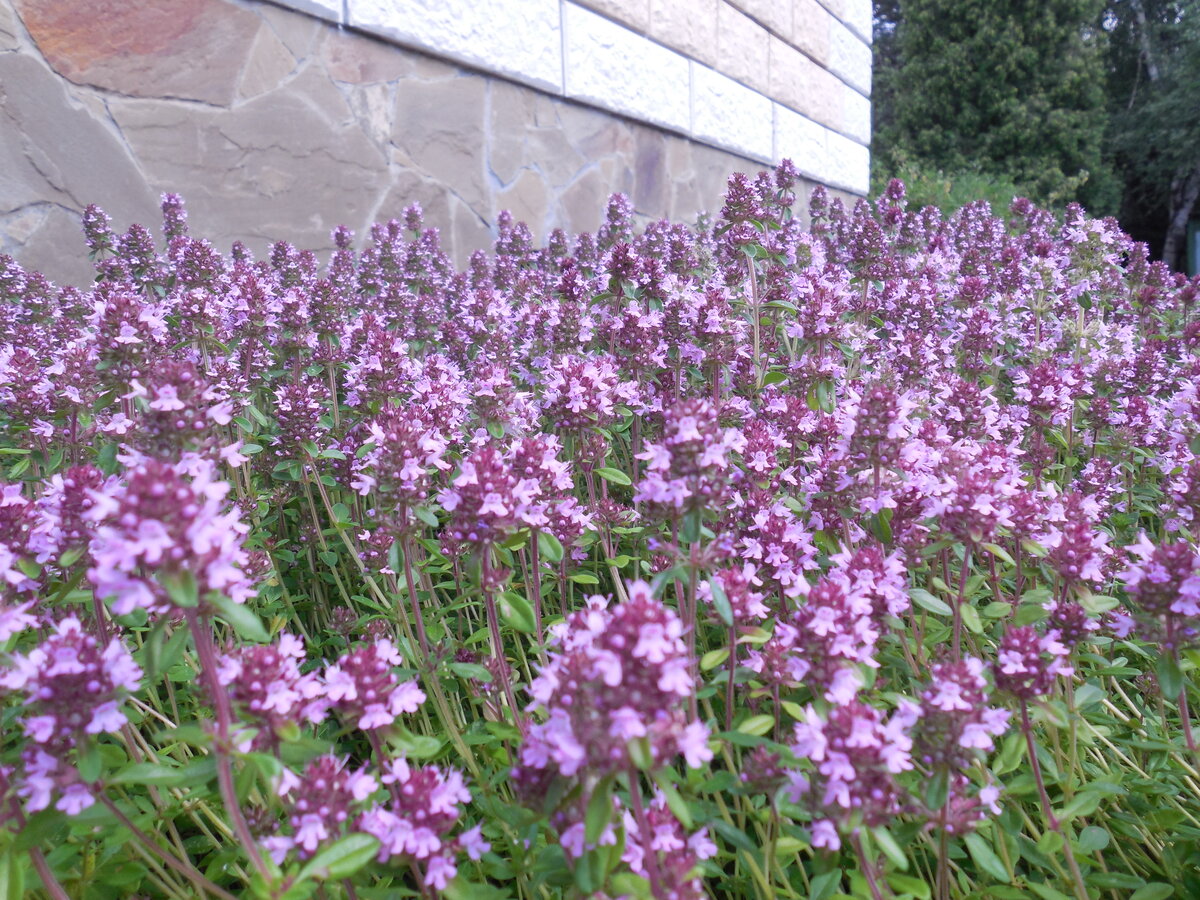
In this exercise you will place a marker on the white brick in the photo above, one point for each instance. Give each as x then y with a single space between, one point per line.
322 9
821 154
519 40
849 57
856 115
850 164
859 17
619 70
730 115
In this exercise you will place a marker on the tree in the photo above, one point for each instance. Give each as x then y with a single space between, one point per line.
1154 126
1010 90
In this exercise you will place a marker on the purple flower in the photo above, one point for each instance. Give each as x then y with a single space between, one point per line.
162 526
363 687
615 674
73 685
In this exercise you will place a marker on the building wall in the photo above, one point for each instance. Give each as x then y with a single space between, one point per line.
282 120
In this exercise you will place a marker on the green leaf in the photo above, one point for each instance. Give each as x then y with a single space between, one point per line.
1093 838
426 515
471 671
1155 890
773 377
713 658
926 600
182 589
757 725
906 884
516 611
1082 804
550 548
985 857
822 886
674 801
999 552
720 602
599 811
616 476
90 762
970 618
890 848
639 753
1046 892
584 578
734 835
12 875
459 889
1170 676
329 558
342 858
415 746
247 625
937 789
199 771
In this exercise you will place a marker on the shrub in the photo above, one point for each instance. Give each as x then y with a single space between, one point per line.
743 561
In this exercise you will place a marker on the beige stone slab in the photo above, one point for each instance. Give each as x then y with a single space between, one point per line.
689 26
439 128
594 134
270 62
528 199
743 48
52 150
651 180
582 202
361 59
191 49
47 238
8 27
300 33
288 165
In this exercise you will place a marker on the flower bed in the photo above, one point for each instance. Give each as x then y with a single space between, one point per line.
736 561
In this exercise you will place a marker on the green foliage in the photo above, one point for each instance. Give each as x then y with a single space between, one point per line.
947 191
1011 92
1154 125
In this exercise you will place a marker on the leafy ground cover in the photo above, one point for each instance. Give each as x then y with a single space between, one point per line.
741 560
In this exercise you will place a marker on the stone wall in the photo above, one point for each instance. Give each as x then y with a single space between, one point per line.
276 123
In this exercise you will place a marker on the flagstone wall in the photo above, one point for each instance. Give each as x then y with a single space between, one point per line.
282 120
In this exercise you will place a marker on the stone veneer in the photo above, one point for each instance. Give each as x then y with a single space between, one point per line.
280 121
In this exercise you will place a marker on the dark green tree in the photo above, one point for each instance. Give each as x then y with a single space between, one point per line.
1154 124
1011 90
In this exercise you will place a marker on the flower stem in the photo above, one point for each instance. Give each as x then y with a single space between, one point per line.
1051 820
202 635
187 871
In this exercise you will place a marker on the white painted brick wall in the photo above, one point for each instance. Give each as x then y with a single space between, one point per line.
821 154
856 115
618 69
859 17
730 114
849 57
849 163
519 40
